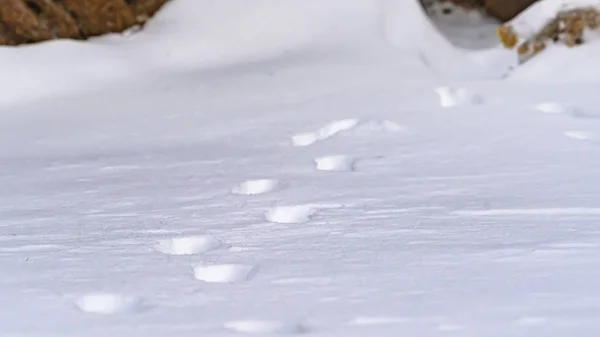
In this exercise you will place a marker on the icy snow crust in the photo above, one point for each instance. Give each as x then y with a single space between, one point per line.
339 176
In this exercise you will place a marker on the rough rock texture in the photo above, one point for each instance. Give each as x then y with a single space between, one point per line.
29 21
568 27
145 9
506 10
502 10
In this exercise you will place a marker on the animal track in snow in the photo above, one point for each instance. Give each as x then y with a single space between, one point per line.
582 135
555 108
335 163
187 245
257 186
265 327
327 131
108 303
450 97
377 128
291 214
224 273
296 214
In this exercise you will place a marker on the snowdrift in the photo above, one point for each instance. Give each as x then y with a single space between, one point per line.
408 28
197 35
205 35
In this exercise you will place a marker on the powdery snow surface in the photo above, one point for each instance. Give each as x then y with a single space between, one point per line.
256 186
308 180
106 303
187 245
223 273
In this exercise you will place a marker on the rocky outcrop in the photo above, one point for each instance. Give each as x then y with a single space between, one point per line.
550 22
506 10
30 21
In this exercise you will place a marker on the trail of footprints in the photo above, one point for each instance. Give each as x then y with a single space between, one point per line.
290 214
229 273
285 215
112 303
555 108
453 97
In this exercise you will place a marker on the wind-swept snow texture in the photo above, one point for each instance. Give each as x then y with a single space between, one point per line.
294 168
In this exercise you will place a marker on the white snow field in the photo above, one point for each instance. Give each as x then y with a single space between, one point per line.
329 168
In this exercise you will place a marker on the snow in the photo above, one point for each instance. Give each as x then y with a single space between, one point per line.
107 304
451 97
262 327
256 186
223 273
290 168
531 21
335 163
187 245
296 214
560 63
325 132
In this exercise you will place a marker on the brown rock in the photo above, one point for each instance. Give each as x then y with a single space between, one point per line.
506 10
507 36
145 9
29 21
21 21
97 17
8 36
566 27
53 18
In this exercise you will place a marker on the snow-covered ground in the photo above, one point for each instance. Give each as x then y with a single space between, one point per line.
468 28
294 167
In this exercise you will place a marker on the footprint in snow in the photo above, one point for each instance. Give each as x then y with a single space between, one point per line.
257 186
337 163
265 327
555 108
325 132
451 97
296 214
583 135
224 273
291 214
377 128
109 303
187 245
